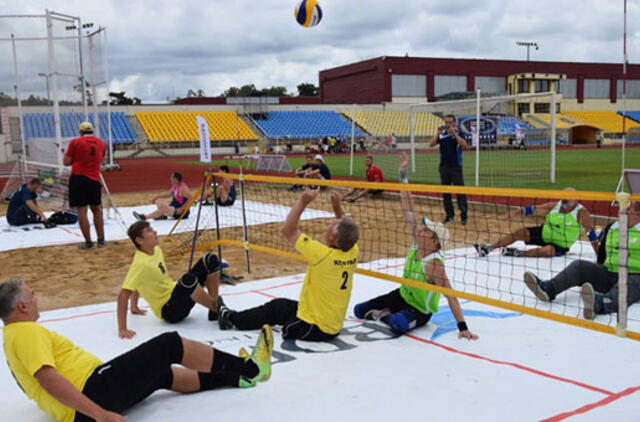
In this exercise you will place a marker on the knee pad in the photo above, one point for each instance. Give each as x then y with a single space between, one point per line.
402 321
188 281
211 263
361 309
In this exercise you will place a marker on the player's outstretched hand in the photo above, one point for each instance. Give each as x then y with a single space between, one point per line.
137 311
468 335
309 195
126 333
403 168
108 416
335 197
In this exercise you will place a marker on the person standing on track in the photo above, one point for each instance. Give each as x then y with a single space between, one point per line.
451 146
84 155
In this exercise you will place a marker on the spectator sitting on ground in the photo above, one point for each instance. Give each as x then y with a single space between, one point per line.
180 197
321 171
225 192
303 171
374 174
23 208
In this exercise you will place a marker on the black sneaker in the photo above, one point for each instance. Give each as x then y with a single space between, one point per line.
483 249
464 221
139 216
213 316
511 252
85 245
377 314
447 220
224 315
101 243
536 285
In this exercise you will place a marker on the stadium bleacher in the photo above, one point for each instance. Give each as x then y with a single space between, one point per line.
41 125
383 123
633 115
181 126
609 121
507 125
304 124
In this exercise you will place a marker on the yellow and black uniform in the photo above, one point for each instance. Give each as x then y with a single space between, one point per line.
168 300
29 347
323 300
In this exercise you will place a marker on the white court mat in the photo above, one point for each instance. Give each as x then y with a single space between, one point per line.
522 368
35 235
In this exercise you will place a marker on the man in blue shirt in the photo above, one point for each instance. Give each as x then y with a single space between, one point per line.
321 171
23 208
451 145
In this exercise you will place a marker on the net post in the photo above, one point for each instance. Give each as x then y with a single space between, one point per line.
553 137
195 233
245 229
17 91
477 137
413 139
353 136
215 206
82 78
623 269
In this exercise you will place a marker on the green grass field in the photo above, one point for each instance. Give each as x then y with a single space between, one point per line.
590 169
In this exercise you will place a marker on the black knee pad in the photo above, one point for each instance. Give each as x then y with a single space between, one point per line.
169 343
211 263
189 281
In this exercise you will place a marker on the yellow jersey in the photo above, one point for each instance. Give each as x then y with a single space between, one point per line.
327 285
29 346
149 276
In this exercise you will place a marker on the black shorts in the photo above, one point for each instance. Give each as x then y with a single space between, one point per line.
535 238
230 201
22 216
132 377
394 302
175 204
180 303
84 191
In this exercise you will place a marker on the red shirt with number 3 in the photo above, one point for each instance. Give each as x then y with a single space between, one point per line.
87 153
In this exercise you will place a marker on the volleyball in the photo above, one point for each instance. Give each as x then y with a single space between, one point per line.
308 13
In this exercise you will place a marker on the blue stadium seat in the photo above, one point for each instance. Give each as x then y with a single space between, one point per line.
304 124
41 125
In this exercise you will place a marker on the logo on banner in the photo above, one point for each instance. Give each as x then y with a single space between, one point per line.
205 141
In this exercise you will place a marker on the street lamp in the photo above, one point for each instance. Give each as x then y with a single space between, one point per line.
528 44
44 75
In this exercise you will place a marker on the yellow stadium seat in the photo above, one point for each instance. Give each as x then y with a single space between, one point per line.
609 121
384 123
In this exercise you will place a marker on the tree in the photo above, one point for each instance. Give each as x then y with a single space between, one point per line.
88 93
195 94
251 91
119 98
306 89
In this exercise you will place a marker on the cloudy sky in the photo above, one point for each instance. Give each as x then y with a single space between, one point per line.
160 49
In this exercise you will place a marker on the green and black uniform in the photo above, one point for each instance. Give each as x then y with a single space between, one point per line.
604 277
408 307
559 230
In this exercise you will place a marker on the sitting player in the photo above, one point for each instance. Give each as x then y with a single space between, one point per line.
180 197
23 207
560 230
225 191
303 172
406 308
599 280
70 384
148 276
374 174
325 294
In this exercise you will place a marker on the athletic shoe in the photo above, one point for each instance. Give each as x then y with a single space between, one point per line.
224 315
261 354
464 221
483 249
536 286
85 245
138 216
511 252
377 314
101 243
213 316
447 220
588 295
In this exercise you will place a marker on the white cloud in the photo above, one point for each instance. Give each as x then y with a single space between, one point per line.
162 48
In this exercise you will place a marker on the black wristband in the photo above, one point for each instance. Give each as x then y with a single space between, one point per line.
462 326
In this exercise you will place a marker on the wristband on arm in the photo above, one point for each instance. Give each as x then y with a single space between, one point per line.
528 210
592 235
462 326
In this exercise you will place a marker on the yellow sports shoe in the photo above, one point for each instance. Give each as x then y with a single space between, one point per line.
261 354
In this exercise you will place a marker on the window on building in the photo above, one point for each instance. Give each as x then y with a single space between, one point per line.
523 85
445 84
541 85
523 108
596 88
567 87
633 89
541 108
408 86
491 85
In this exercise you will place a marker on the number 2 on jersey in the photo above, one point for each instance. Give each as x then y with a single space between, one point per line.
345 278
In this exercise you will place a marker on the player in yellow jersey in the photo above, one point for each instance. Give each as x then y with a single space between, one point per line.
319 315
148 276
70 384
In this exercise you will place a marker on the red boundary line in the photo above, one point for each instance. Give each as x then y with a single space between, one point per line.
591 406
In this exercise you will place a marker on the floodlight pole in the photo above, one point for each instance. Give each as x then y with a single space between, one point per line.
528 44
53 71
17 91
83 82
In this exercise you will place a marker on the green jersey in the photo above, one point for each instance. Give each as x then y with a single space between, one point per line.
561 229
425 301
613 254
